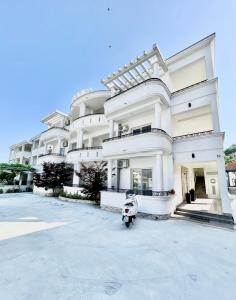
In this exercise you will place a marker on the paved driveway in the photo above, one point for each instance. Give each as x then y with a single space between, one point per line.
53 250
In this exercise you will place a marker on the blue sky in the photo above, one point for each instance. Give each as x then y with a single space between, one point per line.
52 48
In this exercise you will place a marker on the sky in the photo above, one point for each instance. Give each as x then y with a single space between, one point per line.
50 49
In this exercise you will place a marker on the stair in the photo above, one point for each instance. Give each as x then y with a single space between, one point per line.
223 220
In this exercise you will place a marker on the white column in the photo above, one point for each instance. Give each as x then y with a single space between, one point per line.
158 173
82 109
157 120
90 141
111 128
215 116
80 139
109 173
156 72
225 201
76 177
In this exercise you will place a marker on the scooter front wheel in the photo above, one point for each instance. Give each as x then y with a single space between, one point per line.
127 224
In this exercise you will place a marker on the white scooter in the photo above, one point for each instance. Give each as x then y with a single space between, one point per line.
130 210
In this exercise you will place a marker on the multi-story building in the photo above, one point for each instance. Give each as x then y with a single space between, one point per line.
156 125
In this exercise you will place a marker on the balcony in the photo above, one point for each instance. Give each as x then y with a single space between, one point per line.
51 157
54 133
90 122
199 146
137 98
85 154
135 144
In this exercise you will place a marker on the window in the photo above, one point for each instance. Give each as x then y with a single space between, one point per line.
142 179
142 129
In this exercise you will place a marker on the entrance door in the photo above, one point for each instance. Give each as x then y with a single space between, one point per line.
213 187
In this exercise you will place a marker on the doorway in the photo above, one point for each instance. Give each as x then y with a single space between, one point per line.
200 185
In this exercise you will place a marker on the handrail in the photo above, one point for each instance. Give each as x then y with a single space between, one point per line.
185 136
55 154
153 130
139 192
85 148
87 116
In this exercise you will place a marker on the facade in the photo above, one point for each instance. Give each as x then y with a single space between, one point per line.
157 126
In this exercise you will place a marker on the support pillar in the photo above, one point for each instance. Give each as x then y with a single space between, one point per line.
158 178
109 173
82 109
80 139
215 116
156 72
76 177
225 201
157 120
111 129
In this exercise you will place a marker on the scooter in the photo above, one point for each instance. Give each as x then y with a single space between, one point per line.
130 210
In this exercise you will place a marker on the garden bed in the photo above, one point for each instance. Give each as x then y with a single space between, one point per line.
76 200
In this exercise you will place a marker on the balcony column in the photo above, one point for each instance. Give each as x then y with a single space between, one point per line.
215 116
80 139
90 141
158 173
225 201
76 177
111 129
109 173
82 109
157 120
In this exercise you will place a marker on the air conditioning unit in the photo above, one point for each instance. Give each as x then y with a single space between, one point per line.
65 144
123 128
67 122
123 163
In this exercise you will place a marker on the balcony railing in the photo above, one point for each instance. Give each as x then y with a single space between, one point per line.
51 153
55 127
153 130
195 134
88 115
85 148
139 192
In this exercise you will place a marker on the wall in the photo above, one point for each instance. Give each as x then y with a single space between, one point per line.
146 204
189 74
194 124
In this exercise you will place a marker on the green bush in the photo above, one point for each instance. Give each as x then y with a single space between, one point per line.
1 191
13 191
72 196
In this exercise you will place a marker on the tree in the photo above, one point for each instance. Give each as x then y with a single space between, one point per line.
229 160
54 176
7 177
94 179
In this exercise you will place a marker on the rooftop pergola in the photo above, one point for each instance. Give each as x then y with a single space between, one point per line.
144 67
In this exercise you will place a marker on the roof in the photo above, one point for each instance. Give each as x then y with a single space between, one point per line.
20 144
54 115
231 166
206 40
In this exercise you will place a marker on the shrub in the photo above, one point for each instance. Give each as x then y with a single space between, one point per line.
1 191
72 196
13 190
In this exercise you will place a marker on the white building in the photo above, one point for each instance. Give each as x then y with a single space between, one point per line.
156 125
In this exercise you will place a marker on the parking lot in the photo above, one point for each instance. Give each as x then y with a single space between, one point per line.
54 250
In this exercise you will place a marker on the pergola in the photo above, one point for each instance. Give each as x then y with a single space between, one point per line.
149 65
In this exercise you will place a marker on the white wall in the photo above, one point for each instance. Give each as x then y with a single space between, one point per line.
189 74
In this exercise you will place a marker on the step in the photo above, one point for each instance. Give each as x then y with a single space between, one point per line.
205 213
203 222
224 218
